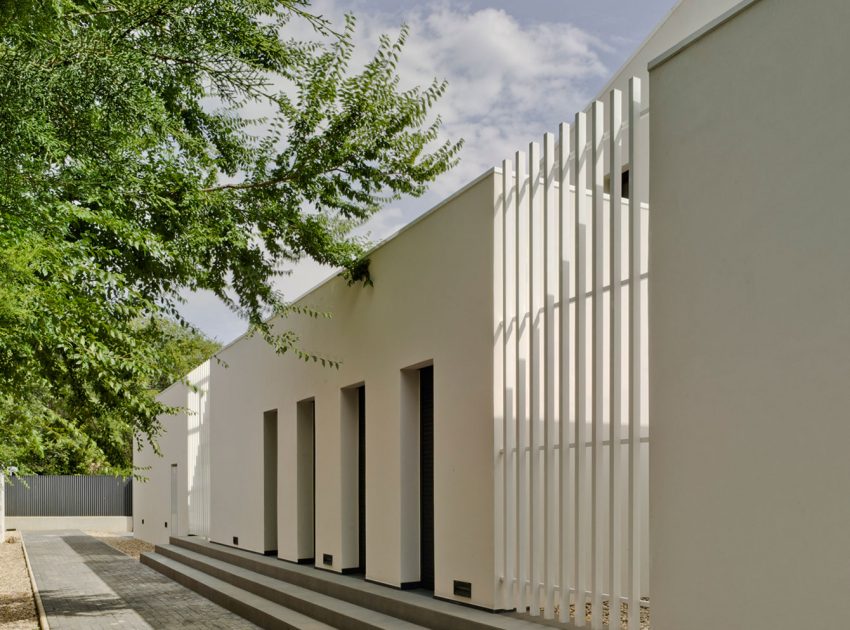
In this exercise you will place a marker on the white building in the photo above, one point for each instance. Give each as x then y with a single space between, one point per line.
750 344
433 457
285 468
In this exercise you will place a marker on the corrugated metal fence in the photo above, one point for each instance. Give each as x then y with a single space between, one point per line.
69 495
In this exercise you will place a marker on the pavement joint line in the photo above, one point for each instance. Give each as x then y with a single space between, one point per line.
39 605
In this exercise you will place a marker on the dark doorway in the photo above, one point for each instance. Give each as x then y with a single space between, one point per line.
270 481
426 476
306 418
361 477
174 499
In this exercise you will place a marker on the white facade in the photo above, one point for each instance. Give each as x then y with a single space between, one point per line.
432 304
175 497
750 343
475 290
283 434
152 500
198 451
427 306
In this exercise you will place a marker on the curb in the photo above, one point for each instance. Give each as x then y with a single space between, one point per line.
39 606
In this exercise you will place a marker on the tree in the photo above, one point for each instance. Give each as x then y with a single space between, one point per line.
66 441
131 174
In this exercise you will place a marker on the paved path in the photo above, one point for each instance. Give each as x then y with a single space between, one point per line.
87 585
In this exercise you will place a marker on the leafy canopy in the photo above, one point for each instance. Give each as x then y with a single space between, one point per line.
68 441
131 174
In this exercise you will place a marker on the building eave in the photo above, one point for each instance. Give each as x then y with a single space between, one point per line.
698 35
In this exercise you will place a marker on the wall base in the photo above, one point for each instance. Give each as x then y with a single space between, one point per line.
96 523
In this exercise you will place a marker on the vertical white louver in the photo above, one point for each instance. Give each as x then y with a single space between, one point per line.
570 234
198 460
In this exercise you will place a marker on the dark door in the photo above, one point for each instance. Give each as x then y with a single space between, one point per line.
361 476
174 500
426 476
305 411
270 481
313 456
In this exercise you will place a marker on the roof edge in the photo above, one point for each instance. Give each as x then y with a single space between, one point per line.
619 71
696 36
489 172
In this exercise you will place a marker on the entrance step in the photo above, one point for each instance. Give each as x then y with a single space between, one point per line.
316 596
255 609
334 612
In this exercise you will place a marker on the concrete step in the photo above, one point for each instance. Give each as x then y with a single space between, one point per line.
335 612
254 608
416 607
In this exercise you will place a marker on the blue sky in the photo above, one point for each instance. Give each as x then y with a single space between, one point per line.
515 70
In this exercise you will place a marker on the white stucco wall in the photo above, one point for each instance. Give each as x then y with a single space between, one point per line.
116 524
197 471
432 301
152 497
686 17
749 338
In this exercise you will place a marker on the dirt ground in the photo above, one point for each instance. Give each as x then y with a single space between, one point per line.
124 543
17 607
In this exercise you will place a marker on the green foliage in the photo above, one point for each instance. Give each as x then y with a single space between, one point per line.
129 174
53 436
183 349
359 272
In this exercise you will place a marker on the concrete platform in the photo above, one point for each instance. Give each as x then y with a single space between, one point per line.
242 581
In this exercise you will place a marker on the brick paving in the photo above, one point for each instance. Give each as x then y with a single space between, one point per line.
87 585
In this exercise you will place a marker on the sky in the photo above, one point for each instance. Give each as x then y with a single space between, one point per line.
515 70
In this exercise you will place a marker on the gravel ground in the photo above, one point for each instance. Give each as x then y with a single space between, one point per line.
624 614
125 543
17 607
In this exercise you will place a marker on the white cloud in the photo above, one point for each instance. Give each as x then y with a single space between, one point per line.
508 83
382 224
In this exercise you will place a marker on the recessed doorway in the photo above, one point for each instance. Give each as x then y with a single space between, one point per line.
306 459
353 464
361 478
270 482
175 489
426 477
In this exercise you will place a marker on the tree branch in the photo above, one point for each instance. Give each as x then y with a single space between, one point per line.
82 14
246 185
